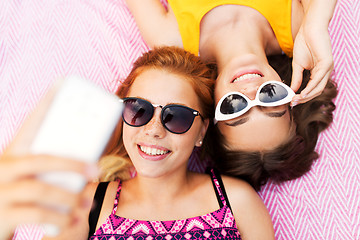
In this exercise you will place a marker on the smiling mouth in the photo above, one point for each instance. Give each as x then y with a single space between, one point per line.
153 151
246 77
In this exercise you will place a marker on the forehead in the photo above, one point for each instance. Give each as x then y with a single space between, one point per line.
163 87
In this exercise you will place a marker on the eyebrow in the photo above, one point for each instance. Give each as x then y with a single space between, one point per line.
245 119
276 114
238 122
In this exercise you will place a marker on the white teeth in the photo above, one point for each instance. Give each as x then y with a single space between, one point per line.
247 76
152 151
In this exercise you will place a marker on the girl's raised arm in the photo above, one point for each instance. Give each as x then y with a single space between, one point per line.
158 25
312 49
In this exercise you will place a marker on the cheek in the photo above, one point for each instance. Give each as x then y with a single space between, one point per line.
274 75
128 133
184 148
219 91
188 141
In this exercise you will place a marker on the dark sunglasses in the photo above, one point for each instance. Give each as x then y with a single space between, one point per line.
175 118
269 94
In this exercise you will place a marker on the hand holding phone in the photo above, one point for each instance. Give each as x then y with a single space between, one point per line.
78 124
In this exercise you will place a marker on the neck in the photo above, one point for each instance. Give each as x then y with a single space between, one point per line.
160 189
249 34
223 53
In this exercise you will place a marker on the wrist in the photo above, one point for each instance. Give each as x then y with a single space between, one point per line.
319 10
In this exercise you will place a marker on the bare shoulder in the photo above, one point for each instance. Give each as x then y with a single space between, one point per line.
90 188
238 189
251 215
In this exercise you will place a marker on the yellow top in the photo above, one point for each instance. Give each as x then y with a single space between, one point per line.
190 12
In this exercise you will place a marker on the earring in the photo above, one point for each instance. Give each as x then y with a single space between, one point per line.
200 142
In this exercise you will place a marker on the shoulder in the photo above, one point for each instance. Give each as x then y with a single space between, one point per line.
251 215
91 188
108 196
238 190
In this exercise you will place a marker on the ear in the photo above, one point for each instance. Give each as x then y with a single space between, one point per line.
202 133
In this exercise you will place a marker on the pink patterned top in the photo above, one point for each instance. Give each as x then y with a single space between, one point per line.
219 224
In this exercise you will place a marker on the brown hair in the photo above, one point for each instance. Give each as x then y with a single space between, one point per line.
116 163
292 159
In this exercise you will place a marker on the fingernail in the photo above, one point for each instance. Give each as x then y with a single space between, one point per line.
51 230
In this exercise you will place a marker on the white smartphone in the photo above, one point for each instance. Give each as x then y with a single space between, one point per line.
77 125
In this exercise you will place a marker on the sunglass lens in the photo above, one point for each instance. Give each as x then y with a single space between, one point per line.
232 104
177 119
137 112
272 93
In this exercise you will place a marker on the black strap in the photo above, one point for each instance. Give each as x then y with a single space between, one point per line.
96 207
218 177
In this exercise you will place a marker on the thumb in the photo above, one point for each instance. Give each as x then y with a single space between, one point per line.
297 76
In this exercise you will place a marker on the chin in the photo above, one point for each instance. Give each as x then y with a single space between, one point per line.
149 173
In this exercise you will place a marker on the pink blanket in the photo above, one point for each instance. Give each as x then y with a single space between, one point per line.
41 41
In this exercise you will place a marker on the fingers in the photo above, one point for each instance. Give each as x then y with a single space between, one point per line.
320 75
297 76
34 202
37 192
26 199
32 214
296 80
316 91
317 83
15 167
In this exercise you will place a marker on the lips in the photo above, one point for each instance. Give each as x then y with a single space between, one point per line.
249 75
153 152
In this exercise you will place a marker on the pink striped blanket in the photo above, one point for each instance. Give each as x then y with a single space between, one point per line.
41 41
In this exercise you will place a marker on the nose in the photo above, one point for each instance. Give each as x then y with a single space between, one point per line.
250 91
154 127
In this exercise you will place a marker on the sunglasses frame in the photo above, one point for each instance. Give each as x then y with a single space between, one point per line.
251 103
163 108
